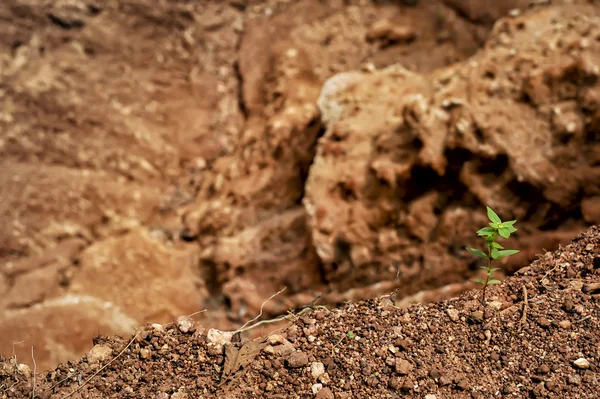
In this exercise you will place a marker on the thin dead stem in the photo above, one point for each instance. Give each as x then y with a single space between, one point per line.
34 372
245 328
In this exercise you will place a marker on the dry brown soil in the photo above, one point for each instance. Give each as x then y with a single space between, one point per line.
536 337
162 157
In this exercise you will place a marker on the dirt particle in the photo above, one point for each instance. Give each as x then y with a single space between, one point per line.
543 369
316 388
435 373
581 363
185 324
477 316
564 324
99 353
297 359
543 322
145 353
453 314
317 369
574 379
403 367
325 393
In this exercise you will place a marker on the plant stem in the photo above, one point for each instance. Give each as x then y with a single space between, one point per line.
489 267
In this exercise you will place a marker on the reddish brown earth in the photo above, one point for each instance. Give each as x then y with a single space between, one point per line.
159 158
536 337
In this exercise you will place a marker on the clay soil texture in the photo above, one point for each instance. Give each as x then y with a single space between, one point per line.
161 158
536 336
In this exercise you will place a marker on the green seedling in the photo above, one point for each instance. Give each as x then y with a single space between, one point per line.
497 228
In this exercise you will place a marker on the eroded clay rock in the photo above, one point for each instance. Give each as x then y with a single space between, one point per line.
401 176
147 279
60 329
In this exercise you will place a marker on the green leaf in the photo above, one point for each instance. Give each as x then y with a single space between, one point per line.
509 223
483 267
479 280
477 252
511 229
350 334
504 232
494 226
497 246
507 252
492 282
494 269
495 253
492 215
486 231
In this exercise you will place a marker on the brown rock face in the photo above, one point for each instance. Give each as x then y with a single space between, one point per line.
406 157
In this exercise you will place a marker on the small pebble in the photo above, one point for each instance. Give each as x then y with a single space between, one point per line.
565 324
403 367
185 324
317 369
581 363
316 388
453 314
297 359
325 393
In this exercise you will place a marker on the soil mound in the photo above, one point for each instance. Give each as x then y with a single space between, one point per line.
537 336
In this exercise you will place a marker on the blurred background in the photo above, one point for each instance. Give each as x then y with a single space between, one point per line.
162 157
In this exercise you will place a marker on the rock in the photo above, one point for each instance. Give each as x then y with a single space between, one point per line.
315 388
179 395
453 314
430 396
297 359
185 324
574 379
325 393
565 324
436 373
275 339
384 30
374 153
590 208
24 370
217 340
403 367
477 316
317 369
581 363
99 354
162 395
44 326
167 282
145 353
544 322
543 369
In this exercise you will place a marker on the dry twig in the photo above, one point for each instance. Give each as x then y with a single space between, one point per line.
34 371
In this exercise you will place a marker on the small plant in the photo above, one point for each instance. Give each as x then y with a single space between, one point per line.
494 250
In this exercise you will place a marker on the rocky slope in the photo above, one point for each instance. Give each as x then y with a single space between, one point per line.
536 336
